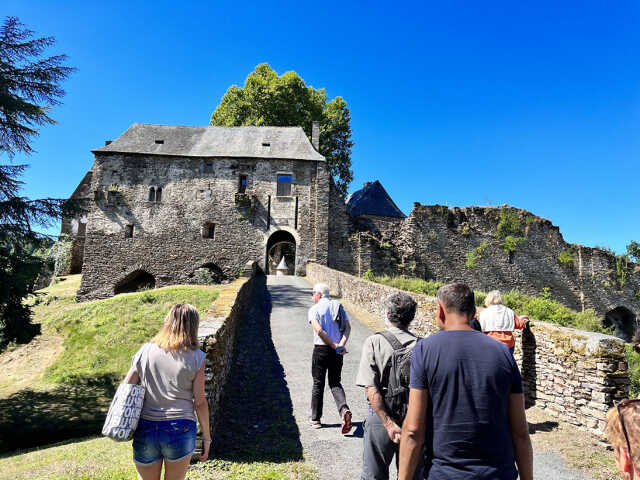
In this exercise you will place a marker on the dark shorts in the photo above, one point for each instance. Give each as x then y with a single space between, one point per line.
172 440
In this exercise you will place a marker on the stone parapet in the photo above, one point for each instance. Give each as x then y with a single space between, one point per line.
217 336
574 375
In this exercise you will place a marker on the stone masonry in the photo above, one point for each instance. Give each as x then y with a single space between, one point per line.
576 376
159 214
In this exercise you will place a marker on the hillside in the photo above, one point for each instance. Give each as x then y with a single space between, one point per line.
59 386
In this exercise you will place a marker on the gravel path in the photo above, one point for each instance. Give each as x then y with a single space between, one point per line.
336 456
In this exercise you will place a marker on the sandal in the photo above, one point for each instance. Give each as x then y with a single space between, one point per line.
315 423
346 422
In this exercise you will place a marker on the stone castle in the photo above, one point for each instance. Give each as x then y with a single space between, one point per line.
173 204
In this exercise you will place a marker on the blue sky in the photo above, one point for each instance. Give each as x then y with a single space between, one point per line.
457 103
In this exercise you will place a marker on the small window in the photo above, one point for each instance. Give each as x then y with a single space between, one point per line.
266 144
208 167
112 197
128 231
284 185
159 142
242 184
159 194
152 194
209 230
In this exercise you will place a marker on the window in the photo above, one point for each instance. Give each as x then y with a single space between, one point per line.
209 230
208 167
284 185
128 231
242 184
155 194
159 142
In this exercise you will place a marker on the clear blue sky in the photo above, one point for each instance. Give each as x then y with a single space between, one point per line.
457 103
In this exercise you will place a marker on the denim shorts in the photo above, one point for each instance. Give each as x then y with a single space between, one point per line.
173 440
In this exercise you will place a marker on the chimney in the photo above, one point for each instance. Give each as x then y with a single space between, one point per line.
107 142
315 135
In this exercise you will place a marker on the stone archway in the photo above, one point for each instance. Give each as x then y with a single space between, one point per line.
135 281
280 243
624 322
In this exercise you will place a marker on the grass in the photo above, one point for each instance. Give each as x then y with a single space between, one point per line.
66 397
104 459
100 337
73 368
537 307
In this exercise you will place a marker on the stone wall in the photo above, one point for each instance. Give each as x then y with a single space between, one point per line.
217 335
167 235
76 226
574 375
437 242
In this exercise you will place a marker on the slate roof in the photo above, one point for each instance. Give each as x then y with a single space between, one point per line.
283 142
373 199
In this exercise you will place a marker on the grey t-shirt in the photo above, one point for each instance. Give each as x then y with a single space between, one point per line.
168 380
376 353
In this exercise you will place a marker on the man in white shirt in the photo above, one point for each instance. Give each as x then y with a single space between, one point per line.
328 318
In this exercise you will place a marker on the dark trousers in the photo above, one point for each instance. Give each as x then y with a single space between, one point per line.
379 451
325 361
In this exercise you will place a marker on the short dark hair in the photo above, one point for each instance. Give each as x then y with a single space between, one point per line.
458 298
401 308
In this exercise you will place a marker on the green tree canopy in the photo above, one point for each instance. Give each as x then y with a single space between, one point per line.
271 100
29 87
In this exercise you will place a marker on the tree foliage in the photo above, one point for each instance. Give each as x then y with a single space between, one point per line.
633 250
271 100
29 88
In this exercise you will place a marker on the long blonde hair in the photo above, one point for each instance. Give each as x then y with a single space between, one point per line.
180 329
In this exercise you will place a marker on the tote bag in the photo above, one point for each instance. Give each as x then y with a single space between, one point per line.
124 412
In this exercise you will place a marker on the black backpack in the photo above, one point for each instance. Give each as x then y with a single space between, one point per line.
396 393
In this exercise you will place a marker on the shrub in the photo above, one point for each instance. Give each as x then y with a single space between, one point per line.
416 285
476 254
368 275
509 224
622 262
60 255
567 257
633 359
510 243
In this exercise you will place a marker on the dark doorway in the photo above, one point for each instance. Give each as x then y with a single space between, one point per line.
281 244
207 274
134 282
624 322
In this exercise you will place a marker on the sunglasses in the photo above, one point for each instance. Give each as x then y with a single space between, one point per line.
620 406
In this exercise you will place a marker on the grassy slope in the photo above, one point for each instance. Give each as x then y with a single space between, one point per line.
70 393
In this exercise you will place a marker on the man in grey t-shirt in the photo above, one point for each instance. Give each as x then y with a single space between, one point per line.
381 432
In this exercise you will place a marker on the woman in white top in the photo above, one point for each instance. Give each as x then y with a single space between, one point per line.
499 321
171 368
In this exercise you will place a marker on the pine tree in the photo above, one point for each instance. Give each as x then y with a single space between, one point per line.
29 88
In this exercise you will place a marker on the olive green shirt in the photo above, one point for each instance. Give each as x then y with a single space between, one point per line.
376 353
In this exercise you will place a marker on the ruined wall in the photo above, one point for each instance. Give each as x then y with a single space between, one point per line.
574 375
447 244
76 226
167 240
341 242
217 335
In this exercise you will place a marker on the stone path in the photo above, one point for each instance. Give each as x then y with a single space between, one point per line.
336 456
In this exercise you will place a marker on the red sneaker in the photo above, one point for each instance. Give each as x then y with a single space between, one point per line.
346 422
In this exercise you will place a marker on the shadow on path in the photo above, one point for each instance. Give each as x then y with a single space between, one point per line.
258 422
32 418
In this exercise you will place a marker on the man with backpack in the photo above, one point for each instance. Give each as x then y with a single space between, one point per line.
384 373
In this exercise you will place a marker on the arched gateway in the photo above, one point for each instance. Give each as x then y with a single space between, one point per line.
280 243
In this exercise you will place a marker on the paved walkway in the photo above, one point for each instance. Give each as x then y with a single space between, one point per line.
336 456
